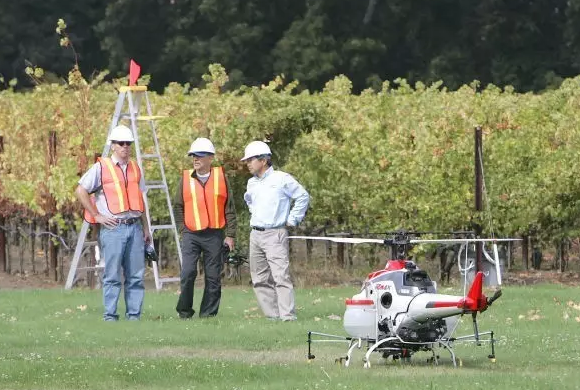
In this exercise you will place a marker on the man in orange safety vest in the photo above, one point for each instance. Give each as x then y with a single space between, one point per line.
118 186
206 218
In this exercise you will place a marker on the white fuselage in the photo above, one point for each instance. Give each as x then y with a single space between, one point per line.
402 303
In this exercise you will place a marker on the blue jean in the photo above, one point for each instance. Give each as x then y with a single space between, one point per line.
124 250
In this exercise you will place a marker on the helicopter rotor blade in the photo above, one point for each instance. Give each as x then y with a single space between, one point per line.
462 240
354 240
346 240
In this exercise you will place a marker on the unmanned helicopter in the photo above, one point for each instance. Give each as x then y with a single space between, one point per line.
398 311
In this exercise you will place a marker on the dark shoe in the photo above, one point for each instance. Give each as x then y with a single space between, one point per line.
186 315
207 315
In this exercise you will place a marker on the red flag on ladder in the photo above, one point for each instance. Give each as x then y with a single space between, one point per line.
134 72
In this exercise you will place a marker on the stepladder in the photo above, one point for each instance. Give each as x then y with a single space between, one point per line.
128 111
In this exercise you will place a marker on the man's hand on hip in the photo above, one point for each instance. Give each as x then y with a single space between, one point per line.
109 222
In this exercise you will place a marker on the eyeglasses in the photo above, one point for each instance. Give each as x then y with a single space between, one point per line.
200 154
123 143
258 157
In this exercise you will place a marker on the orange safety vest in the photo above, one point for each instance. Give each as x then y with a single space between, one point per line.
121 194
205 205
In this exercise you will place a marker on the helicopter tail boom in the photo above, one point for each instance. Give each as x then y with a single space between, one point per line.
429 306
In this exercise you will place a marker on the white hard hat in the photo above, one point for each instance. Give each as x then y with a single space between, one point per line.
256 148
201 145
121 133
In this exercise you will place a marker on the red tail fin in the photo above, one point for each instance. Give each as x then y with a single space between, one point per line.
476 300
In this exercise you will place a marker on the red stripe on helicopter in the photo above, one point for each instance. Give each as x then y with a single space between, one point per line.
365 302
475 300
437 305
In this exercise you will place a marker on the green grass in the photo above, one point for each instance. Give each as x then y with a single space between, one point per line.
47 341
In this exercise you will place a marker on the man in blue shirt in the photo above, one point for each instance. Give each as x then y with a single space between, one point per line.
269 196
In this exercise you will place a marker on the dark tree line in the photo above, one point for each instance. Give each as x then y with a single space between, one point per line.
531 45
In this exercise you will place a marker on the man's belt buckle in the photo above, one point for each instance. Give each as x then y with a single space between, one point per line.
128 221
260 229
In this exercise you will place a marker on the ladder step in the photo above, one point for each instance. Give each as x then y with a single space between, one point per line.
150 117
159 227
142 118
150 156
133 88
153 186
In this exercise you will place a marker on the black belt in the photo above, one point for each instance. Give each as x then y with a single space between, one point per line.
261 229
128 221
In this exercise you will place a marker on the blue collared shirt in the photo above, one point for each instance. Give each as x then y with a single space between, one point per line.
269 198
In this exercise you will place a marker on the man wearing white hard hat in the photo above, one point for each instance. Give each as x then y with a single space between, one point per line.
205 215
118 185
269 196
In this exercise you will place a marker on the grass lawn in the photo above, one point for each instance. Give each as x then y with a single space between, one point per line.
55 339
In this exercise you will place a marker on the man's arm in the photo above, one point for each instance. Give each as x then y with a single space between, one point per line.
248 196
295 191
146 232
91 181
85 199
144 222
231 220
178 207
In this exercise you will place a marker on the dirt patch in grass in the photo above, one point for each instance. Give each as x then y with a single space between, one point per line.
18 281
535 277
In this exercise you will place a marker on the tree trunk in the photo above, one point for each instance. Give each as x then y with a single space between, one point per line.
16 241
45 248
33 246
369 11
2 244
53 251
9 243
350 255
536 254
562 255
60 276
525 252
509 255
340 254
21 252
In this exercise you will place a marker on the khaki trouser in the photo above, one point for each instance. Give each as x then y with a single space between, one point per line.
270 270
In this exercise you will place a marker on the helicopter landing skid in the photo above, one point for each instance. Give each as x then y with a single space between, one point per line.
447 343
399 349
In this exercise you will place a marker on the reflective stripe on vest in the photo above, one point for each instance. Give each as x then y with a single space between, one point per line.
205 205
121 195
